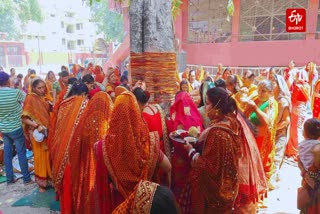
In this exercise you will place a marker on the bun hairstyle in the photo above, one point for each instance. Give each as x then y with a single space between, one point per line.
78 88
220 83
164 202
88 78
141 95
221 100
312 128
63 73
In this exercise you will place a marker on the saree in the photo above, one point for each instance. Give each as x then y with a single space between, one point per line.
252 181
38 109
266 135
184 114
68 113
136 147
156 123
92 127
299 113
214 177
140 200
315 105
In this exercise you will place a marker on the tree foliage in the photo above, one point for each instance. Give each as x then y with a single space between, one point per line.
109 23
14 14
7 20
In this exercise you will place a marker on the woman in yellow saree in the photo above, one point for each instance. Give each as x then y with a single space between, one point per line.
263 113
36 120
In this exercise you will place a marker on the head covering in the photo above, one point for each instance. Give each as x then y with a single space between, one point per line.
283 88
119 89
184 112
128 141
140 200
4 77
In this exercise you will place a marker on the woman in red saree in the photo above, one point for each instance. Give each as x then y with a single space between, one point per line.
263 113
36 116
127 142
98 72
155 119
183 115
316 100
300 95
215 172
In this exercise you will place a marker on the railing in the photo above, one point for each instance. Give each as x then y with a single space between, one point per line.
212 70
3 61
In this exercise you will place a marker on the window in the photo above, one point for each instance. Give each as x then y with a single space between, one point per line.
80 42
262 20
69 14
63 41
207 20
52 15
318 23
79 26
70 29
14 50
30 37
71 45
62 24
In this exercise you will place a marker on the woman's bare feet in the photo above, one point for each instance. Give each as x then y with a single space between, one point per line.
41 189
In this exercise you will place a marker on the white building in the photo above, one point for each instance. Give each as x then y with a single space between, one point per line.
66 28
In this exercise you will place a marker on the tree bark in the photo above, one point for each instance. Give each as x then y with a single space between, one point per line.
151 26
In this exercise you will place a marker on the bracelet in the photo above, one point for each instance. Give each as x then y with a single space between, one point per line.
195 156
190 151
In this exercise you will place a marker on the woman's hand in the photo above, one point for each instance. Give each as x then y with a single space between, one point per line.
187 146
41 129
252 105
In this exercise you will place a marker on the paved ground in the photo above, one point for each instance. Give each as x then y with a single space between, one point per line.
282 200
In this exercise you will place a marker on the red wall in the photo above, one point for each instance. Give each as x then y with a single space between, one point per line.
266 53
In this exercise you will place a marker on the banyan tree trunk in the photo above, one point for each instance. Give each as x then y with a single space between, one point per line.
152 57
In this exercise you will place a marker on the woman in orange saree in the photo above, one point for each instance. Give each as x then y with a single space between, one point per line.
127 141
36 117
74 164
112 82
148 198
263 113
50 79
64 125
316 100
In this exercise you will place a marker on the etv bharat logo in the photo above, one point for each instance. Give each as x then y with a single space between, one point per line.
296 20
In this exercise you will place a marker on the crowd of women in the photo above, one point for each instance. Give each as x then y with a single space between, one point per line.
105 148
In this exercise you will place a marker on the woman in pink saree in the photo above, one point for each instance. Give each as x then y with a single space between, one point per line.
183 115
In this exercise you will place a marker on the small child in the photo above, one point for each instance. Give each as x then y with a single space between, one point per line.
311 133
